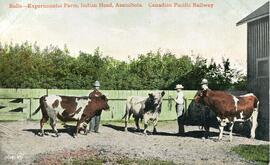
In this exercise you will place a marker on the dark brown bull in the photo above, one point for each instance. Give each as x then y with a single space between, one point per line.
229 108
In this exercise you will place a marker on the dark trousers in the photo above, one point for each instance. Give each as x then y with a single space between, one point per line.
94 123
181 128
180 112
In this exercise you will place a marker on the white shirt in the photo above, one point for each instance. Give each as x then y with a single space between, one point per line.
204 86
179 98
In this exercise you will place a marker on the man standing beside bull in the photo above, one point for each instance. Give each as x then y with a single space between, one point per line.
95 120
205 117
180 104
204 84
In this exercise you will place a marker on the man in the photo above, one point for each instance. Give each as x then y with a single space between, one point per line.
179 107
205 117
204 84
95 120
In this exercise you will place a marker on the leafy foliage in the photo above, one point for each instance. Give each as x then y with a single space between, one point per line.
27 66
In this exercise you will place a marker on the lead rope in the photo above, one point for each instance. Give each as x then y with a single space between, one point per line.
170 103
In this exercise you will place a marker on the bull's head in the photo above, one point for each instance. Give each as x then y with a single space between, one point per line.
102 102
156 99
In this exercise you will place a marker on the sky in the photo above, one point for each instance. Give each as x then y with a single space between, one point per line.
128 32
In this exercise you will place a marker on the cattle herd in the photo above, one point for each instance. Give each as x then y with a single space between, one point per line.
227 108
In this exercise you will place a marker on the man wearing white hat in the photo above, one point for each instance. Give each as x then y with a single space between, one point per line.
179 107
95 120
204 84
204 109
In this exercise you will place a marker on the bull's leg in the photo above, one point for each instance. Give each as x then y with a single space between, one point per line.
82 119
77 128
222 124
220 132
53 125
42 121
155 124
127 116
254 123
145 128
137 123
126 121
231 129
146 119
85 127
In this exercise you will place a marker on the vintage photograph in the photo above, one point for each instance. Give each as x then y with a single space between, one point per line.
134 82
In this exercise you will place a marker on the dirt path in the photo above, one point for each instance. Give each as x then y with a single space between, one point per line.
20 145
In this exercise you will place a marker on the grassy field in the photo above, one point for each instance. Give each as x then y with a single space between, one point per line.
257 153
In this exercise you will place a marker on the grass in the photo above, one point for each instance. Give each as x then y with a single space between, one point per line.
257 153
144 162
92 161
122 161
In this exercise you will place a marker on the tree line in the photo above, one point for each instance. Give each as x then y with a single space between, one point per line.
28 66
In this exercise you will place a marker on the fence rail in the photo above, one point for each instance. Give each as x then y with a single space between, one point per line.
18 104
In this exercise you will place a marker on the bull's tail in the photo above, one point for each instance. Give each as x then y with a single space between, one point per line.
254 119
126 113
41 103
127 109
256 106
36 111
124 116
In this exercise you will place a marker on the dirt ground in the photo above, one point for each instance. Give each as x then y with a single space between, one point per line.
21 144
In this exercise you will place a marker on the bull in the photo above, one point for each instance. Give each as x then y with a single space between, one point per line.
68 108
230 109
146 108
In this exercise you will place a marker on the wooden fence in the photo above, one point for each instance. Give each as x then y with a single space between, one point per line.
18 104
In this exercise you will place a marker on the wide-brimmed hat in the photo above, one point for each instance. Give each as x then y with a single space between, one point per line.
179 86
96 84
204 81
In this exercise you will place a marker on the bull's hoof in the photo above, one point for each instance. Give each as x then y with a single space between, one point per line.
56 135
206 137
46 133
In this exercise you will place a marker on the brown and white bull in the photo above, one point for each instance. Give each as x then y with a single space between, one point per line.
68 108
147 108
229 108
